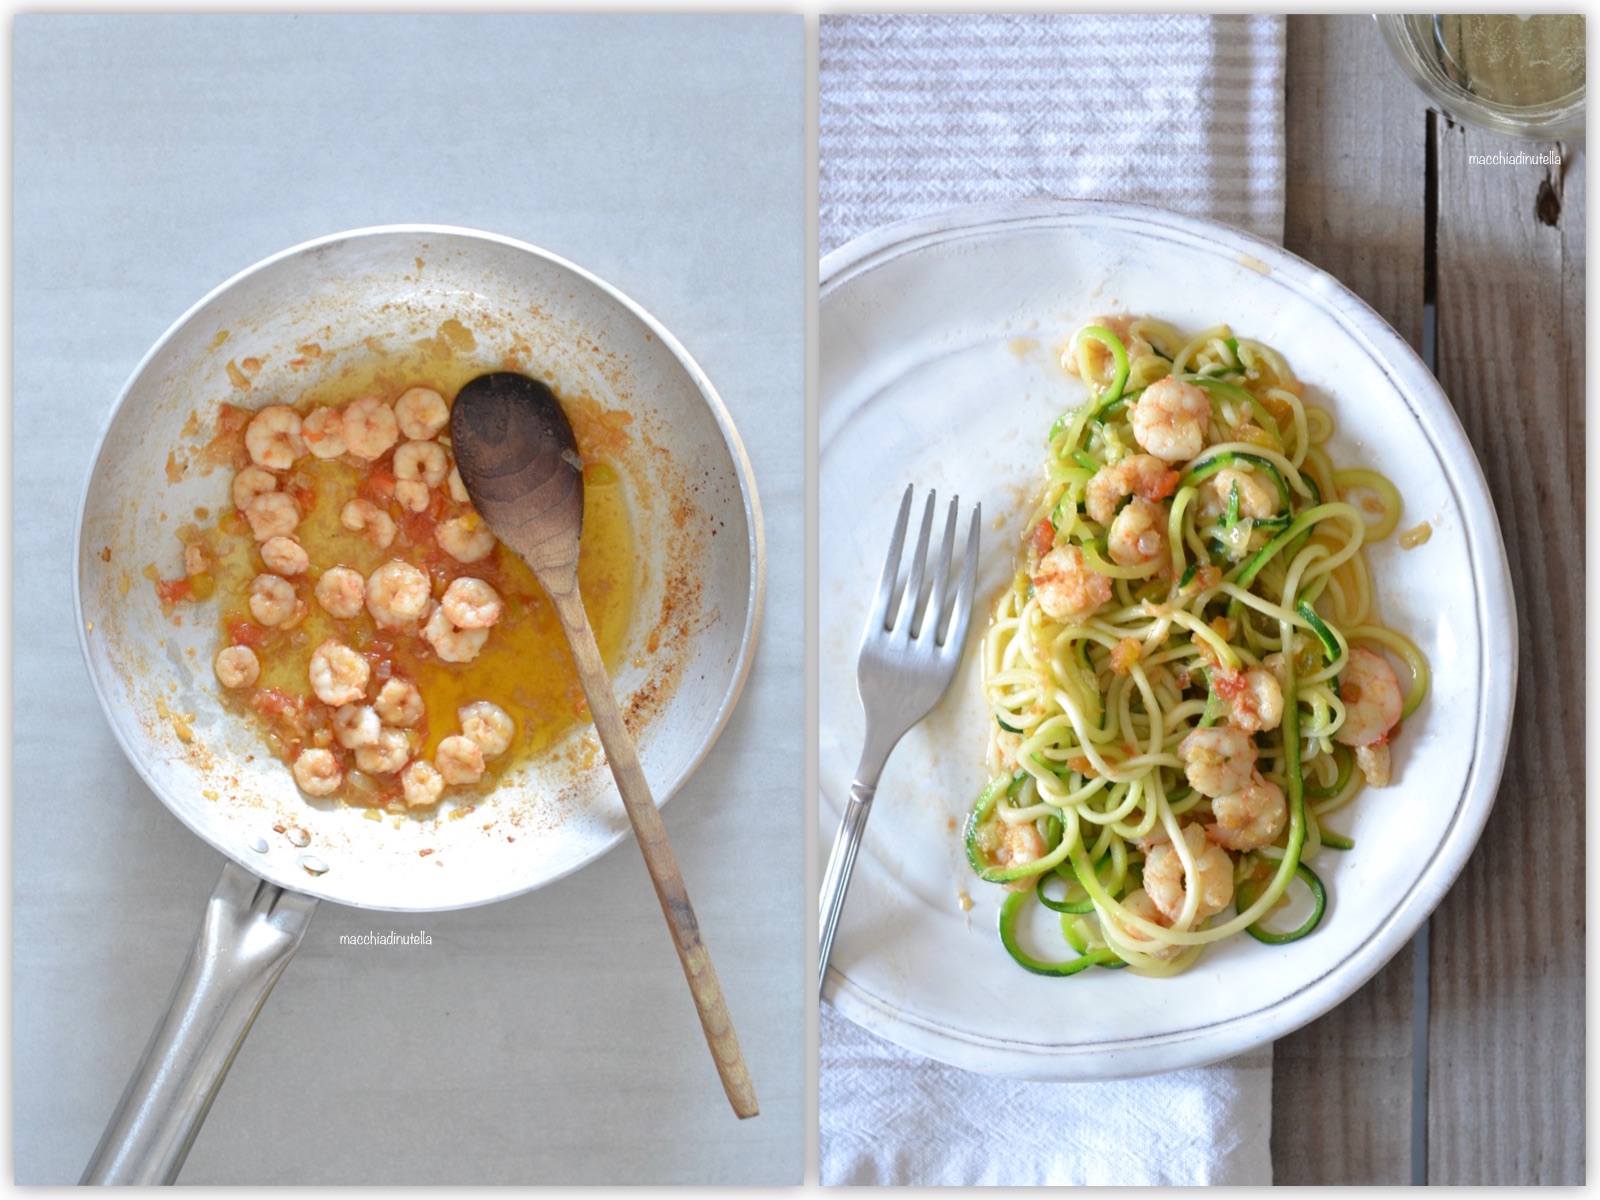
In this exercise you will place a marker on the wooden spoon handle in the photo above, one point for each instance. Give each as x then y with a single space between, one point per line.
658 856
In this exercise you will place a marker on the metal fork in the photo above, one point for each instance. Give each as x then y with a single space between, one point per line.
908 659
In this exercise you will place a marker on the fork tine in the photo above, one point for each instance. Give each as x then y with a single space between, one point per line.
969 583
941 575
879 618
909 617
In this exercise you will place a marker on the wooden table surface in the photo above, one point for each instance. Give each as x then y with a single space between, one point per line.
1462 1062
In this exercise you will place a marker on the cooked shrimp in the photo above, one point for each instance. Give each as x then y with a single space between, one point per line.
236 667
365 517
1007 744
399 702
1217 759
412 494
272 600
317 772
250 483
1142 475
273 437
425 461
386 755
1097 357
423 785
466 539
1372 700
1021 844
1258 496
272 514
1138 534
342 592
1249 818
338 674
448 642
421 413
1069 590
369 427
1254 696
1374 763
397 594
1170 418
1167 883
356 725
471 603
323 432
459 760
1139 904
284 556
489 725
458 490
417 467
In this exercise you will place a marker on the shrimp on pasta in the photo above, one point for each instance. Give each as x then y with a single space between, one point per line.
1186 675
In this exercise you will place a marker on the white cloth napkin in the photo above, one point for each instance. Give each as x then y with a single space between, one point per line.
923 113
887 1116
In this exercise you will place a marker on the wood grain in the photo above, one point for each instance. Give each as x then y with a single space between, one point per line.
518 458
1507 1060
1355 141
651 835
1355 207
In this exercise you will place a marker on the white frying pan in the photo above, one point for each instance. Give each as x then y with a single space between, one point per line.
698 602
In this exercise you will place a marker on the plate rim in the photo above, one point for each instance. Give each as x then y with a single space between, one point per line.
1494 605
743 469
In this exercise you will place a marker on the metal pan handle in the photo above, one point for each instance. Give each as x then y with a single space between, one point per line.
250 932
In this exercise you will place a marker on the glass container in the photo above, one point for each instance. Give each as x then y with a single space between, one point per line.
1517 75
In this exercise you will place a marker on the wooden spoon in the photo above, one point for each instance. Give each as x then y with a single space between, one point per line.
519 461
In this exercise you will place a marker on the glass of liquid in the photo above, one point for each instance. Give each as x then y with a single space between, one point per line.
1517 75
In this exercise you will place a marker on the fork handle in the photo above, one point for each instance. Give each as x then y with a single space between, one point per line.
836 880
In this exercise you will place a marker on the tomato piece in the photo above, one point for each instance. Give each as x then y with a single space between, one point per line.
378 486
246 633
173 590
1158 486
1229 685
271 702
284 713
417 528
1044 536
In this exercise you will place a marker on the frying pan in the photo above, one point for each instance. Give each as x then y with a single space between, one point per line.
437 296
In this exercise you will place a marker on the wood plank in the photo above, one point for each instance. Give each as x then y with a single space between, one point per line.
1356 144
1574 264
1506 1101
1355 147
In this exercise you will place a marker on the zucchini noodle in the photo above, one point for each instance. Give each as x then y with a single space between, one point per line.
1186 676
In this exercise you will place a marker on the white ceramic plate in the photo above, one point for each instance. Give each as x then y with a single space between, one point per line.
939 366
